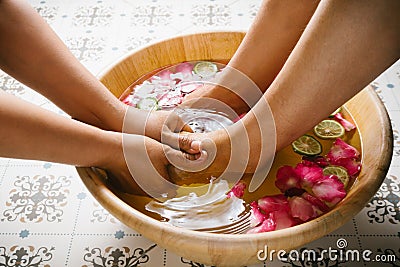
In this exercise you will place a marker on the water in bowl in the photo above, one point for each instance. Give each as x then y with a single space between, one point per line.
197 205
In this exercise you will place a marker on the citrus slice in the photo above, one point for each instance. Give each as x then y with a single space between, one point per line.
205 69
339 109
328 129
307 145
339 172
148 103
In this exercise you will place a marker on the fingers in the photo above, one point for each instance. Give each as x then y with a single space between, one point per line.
192 162
188 144
182 142
174 123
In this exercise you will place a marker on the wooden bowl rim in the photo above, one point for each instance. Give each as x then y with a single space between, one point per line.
110 201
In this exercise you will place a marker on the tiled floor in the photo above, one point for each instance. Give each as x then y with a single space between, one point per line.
63 225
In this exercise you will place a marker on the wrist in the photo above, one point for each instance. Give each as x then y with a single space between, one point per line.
113 117
108 149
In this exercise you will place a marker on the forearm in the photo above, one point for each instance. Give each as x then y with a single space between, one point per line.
272 36
265 48
29 132
32 53
345 46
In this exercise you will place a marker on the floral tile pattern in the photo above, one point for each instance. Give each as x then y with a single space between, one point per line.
48 218
37 198
25 256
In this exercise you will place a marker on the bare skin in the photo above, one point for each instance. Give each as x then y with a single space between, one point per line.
32 53
332 61
273 34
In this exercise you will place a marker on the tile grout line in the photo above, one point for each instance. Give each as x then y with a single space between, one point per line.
358 237
73 233
165 257
4 172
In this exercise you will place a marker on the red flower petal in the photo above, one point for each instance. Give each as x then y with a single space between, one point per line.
184 67
187 88
170 100
283 219
352 166
315 201
341 149
165 74
256 216
128 100
348 126
309 175
302 209
266 226
270 204
330 189
287 178
239 117
237 190
315 161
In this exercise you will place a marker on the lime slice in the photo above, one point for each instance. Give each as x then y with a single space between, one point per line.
339 109
307 145
328 129
340 172
205 69
148 103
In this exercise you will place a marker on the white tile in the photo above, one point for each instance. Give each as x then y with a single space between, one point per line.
381 247
48 250
87 249
382 215
39 199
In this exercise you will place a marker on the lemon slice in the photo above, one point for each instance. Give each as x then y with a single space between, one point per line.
328 129
340 172
307 145
205 69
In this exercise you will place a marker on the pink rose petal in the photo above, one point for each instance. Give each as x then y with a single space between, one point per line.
315 161
341 149
237 190
185 68
267 225
287 178
302 209
165 74
187 88
330 189
315 201
256 216
283 219
128 100
239 117
270 204
348 126
170 100
309 175
352 166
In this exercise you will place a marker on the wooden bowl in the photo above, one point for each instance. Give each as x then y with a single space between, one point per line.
225 249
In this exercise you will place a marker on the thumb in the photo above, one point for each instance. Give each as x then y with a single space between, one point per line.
182 142
190 162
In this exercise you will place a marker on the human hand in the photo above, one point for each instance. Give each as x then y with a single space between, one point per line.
153 123
215 145
139 165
